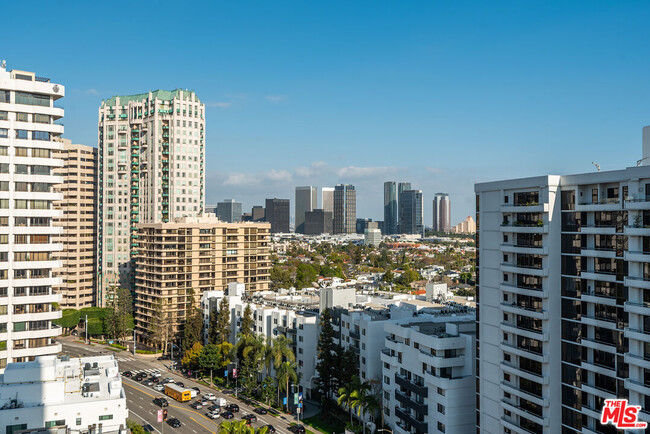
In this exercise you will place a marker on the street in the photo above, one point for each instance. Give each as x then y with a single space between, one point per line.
140 397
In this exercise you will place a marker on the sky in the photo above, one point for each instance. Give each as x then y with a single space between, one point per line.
440 94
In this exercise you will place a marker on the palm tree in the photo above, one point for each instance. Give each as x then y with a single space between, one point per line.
362 400
251 350
286 372
278 351
346 395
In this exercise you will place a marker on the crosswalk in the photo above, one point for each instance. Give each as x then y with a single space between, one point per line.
125 359
145 371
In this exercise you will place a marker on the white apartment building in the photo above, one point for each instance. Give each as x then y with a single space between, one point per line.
29 124
80 395
151 170
372 237
428 377
563 272
296 321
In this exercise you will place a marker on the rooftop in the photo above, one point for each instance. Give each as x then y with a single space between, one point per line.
164 95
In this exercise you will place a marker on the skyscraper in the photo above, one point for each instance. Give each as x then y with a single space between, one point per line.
229 211
318 222
327 199
306 200
562 291
258 213
345 209
151 169
441 212
29 125
401 187
277 213
390 208
79 237
410 217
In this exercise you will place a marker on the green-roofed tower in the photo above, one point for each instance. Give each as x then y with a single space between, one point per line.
151 169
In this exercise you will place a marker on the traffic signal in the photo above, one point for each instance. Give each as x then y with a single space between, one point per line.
165 414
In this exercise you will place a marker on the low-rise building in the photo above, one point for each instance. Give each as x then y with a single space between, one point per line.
372 237
79 395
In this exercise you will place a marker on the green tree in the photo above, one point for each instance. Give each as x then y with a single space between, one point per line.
193 329
215 357
389 277
280 277
240 427
247 324
346 393
251 351
327 361
135 427
160 326
286 374
348 365
305 275
222 331
362 400
269 389
191 357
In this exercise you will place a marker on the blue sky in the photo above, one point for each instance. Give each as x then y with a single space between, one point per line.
442 94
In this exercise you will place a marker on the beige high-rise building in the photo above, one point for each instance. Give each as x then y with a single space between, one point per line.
199 254
79 237
151 169
467 226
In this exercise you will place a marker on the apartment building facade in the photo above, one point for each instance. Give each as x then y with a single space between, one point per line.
79 223
29 124
563 269
178 261
441 212
151 169
428 377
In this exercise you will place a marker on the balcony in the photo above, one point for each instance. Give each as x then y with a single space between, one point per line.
524 291
599 253
634 333
604 205
522 310
521 229
410 386
419 426
532 207
638 308
524 249
354 335
422 408
638 231
597 229
641 203
637 282
636 256
519 269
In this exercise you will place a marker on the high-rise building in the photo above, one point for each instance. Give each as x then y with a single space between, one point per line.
410 212
401 188
372 237
562 274
441 212
229 211
258 214
362 224
214 254
277 213
79 237
151 169
306 200
29 125
390 208
345 209
467 226
327 199
318 222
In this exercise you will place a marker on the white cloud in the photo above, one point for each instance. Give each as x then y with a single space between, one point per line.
275 98
240 180
219 104
91 92
279 175
364 172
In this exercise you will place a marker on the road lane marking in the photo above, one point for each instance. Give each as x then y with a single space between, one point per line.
144 420
202 425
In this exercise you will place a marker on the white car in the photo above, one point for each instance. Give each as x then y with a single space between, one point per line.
156 374
210 396
168 380
159 387
213 414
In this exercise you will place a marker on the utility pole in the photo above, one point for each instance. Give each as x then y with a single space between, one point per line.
133 341
86 327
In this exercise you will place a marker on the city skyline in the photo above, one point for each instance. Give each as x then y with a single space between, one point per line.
532 105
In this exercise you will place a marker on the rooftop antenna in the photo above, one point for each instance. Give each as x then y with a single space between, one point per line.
4 64
597 166
638 162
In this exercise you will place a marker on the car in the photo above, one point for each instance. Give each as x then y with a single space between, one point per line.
196 389
233 408
197 405
162 402
297 429
155 379
138 378
159 387
213 414
165 357
147 428
227 415
249 418
180 384
214 408
74 333
127 374
148 383
270 428
174 423
155 374
260 410
210 396
168 380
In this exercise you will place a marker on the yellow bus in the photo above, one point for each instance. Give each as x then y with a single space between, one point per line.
178 393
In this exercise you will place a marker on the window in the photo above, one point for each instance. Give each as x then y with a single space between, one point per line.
106 417
22 134
41 153
4 150
441 427
4 133
22 117
32 99
441 392
441 408
20 152
53 423
4 167
41 119
21 169
78 421
5 97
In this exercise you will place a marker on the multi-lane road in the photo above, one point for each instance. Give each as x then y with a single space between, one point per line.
140 397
